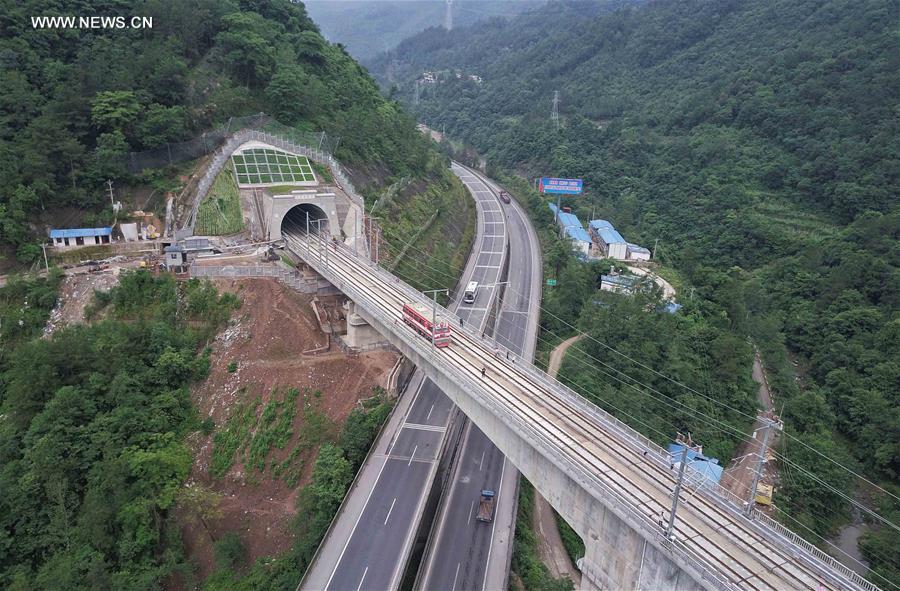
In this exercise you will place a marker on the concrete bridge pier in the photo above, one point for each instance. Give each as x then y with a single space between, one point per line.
620 555
361 335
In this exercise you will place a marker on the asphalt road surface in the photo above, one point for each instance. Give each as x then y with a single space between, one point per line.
465 554
368 546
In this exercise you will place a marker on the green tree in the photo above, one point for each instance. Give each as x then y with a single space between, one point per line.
115 110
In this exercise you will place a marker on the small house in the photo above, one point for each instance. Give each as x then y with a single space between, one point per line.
627 284
636 253
74 237
608 239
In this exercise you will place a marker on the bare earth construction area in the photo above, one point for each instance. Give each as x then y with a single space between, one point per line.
255 362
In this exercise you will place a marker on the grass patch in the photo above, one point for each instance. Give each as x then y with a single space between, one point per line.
525 560
571 540
220 213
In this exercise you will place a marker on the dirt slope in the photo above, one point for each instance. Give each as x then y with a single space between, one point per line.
266 340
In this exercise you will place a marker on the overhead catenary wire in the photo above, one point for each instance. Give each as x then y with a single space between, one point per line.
708 398
346 270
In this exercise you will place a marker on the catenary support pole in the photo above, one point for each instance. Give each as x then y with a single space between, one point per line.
677 492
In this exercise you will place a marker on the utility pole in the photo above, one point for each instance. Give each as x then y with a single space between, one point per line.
678 484
554 114
434 293
768 425
377 240
46 264
655 244
356 236
112 200
497 303
307 234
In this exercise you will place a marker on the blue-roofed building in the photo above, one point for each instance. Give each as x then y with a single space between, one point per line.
700 469
671 307
627 284
608 239
70 237
571 225
637 253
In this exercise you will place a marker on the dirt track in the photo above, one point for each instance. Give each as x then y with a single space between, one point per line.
550 546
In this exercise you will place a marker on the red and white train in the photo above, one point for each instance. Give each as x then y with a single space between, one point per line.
418 316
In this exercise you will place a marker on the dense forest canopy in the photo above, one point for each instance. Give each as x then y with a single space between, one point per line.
758 141
369 27
73 102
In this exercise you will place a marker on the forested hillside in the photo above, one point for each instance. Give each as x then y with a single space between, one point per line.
758 141
74 102
369 27
94 421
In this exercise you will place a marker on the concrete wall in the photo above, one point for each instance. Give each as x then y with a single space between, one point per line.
281 204
617 555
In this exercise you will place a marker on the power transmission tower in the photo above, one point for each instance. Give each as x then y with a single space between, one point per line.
448 16
554 114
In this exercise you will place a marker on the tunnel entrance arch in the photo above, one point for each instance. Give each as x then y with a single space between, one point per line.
310 215
288 213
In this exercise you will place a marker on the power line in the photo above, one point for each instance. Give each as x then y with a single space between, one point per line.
704 396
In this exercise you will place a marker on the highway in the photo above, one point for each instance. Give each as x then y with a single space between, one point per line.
610 460
463 553
369 544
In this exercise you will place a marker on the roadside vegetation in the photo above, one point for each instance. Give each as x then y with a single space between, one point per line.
427 233
338 460
766 172
92 441
526 565
220 212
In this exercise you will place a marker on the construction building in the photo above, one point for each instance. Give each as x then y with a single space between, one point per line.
74 237
570 225
610 242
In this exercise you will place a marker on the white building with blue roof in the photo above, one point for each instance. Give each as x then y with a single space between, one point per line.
571 225
69 237
609 240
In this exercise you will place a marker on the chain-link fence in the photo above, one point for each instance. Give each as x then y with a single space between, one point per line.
222 142
287 143
206 143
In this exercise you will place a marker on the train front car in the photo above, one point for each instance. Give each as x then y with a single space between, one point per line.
418 316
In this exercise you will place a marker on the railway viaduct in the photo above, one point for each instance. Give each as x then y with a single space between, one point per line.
612 485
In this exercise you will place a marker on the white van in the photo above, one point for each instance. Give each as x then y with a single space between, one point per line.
471 292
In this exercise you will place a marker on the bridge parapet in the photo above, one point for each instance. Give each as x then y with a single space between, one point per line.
557 474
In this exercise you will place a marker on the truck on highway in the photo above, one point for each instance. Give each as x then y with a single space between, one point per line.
486 507
504 196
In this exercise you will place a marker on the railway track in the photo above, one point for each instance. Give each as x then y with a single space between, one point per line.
735 552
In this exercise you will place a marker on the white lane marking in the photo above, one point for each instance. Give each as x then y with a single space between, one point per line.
456 576
487 266
472 309
374 486
471 511
481 465
389 511
362 579
494 525
430 410
493 235
420 427
409 463
491 252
